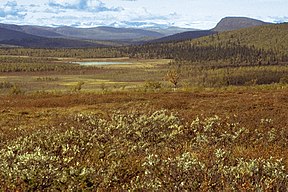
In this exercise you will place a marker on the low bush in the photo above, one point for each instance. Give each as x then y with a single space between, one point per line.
5 85
134 151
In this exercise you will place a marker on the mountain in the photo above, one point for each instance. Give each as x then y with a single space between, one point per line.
106 33
226 24
96 33
37 36
65 36
272 38
7 34
234 23
32 30
41 31
10 37
167 31
50 43
269 37
262 45
185 36
164 29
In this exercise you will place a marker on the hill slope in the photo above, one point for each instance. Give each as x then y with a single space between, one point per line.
226 24
268 37
15 38
50 43
32 30
106 33
252 46
170 30
7 34
97 33
234 23
185 36
41 31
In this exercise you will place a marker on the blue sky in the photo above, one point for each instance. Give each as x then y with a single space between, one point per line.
201 14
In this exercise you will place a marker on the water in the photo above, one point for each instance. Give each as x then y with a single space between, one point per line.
102 63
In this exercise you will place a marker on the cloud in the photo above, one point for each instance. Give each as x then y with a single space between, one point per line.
137 13
12 11
139 24
83 5
279 19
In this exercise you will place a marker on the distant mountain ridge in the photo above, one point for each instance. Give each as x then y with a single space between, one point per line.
185 36
106 33
16 38
97 36
235 23
32 30
96 33
41 36
171 30
8 34
226 24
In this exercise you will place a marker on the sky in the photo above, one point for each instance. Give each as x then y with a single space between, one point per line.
199 14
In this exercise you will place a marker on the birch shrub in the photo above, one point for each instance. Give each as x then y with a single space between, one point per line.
157 151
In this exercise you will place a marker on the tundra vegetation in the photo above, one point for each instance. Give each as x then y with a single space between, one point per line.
143 151
200 115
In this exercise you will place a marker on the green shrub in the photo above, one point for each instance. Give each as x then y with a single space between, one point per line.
16 90
284 80
152 85
5 85
78 86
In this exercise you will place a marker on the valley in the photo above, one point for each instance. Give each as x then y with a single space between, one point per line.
195 111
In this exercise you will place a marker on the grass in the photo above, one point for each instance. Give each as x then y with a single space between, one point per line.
120 128
114 77
122 142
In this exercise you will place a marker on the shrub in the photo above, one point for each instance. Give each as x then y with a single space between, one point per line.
16 90
284 80
156 151
152 85
5 85
78 86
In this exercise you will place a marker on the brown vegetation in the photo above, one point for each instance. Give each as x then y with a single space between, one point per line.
125 141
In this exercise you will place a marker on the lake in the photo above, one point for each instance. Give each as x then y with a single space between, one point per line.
102 63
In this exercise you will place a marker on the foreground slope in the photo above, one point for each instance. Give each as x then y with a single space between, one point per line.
78 142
